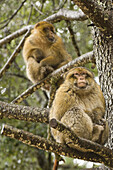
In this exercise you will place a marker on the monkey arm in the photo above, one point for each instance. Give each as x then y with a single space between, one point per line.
38 54
62 102
33 70
51 61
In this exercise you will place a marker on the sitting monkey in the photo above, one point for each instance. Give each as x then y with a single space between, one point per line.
43 52
80 105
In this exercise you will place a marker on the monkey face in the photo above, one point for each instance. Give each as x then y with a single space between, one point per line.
46 30
81 80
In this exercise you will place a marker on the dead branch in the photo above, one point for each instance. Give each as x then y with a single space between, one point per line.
102 19
30 13
14 54
10 18
64 14
85 58
82 143
26 113
51 146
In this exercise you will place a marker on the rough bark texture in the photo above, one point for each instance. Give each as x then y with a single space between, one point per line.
51 146
12 111
81 142
103 51
101 16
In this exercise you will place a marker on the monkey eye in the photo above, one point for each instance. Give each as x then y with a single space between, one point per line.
76 74
87 75
45 29
73 76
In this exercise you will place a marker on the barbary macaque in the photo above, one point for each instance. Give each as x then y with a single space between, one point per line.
43 52
80 105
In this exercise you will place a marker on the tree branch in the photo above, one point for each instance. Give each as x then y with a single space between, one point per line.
64 14
73 38
12 57
51 146
15 35
85 58
81 142
94 151
102 19
26 113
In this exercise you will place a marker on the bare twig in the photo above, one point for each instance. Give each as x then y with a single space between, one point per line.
61 5
14 54
37 9
30 13
10 18
86 58
73 38
17 75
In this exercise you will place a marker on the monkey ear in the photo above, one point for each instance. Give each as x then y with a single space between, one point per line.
37 25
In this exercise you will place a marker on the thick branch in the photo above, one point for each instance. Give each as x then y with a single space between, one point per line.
82 143
12 57
51 146
64 14
12 111
86 58
102 19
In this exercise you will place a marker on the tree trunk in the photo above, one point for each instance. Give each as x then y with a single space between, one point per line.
103 51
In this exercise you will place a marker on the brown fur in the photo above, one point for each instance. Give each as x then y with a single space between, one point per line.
79 104
43 52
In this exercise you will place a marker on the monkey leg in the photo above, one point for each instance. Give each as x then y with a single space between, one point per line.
51 61
97 130
101 132
79 122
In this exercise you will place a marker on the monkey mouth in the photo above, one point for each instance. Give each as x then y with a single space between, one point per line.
51 39
81 85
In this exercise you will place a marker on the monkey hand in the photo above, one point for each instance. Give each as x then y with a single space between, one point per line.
44 71
102 122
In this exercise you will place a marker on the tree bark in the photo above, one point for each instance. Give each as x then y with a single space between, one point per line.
103 51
